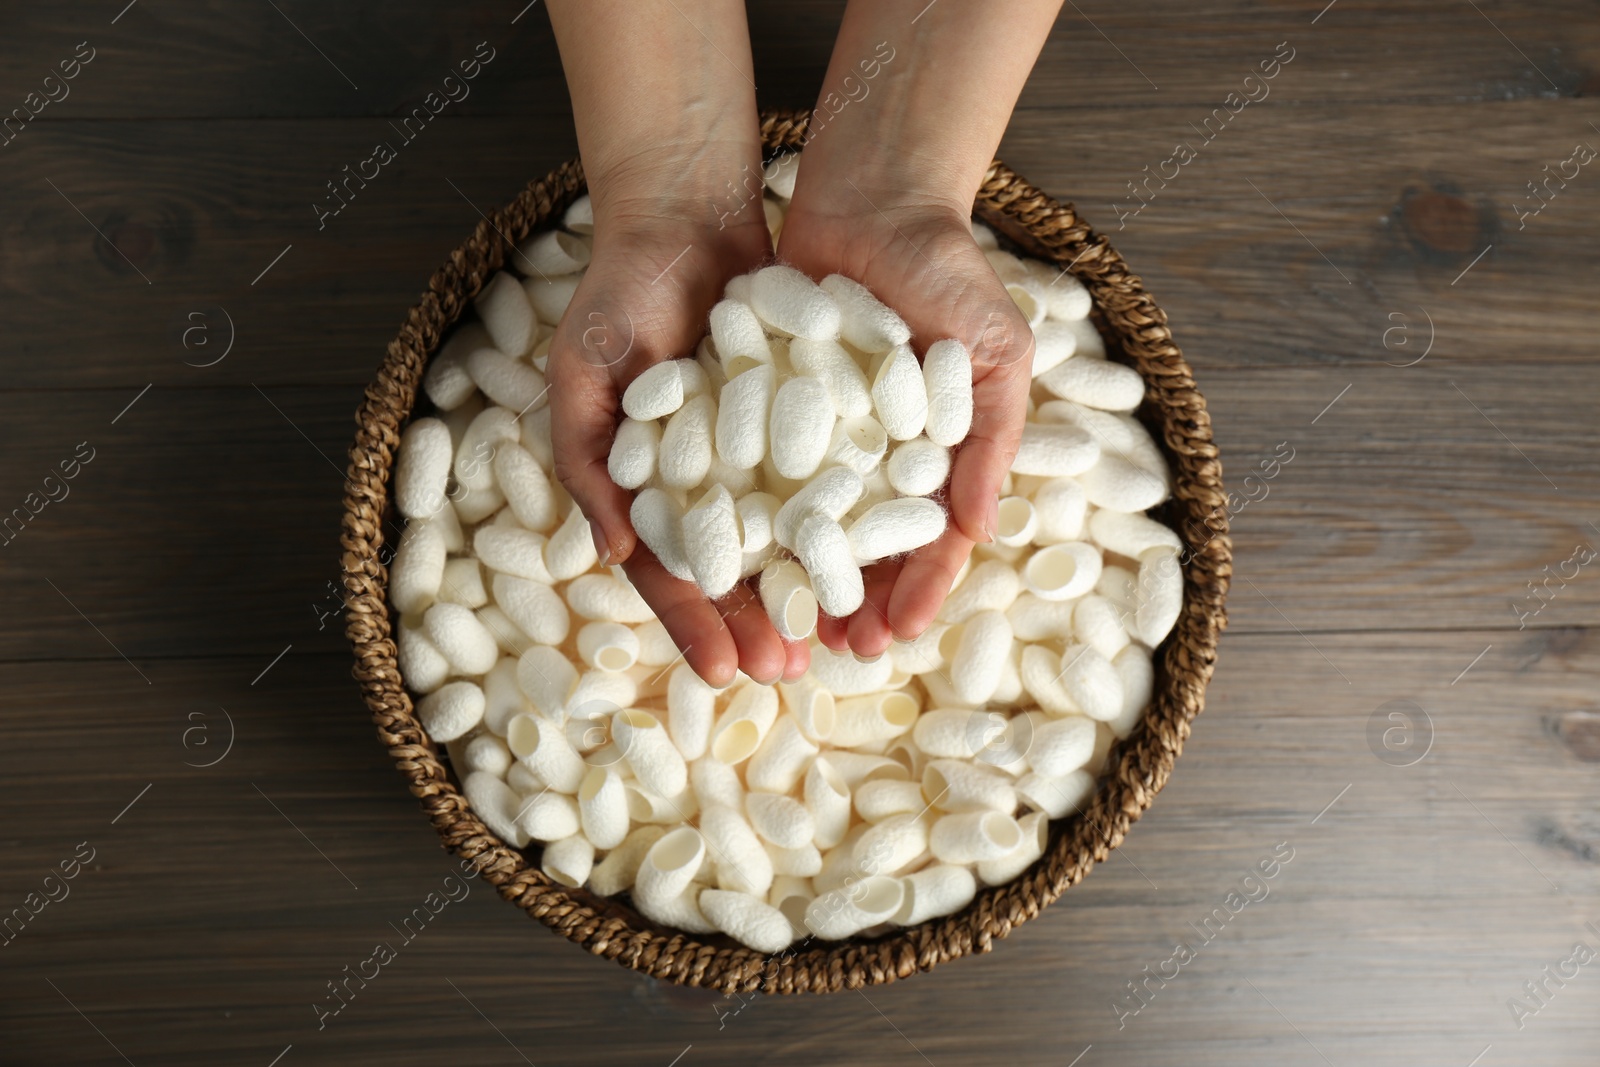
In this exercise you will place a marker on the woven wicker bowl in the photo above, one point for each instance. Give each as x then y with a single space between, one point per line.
1136 333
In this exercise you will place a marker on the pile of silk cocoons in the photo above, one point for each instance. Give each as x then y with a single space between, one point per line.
802 442
862 797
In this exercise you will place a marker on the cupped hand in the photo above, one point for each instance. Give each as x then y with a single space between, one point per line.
918 256
651 282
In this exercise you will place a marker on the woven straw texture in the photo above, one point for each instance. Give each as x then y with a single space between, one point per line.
1136 333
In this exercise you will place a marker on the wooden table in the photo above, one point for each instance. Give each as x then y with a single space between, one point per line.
1344 264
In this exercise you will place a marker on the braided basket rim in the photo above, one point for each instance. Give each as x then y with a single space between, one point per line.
1137 768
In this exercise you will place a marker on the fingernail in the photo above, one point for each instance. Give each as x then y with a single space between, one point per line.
602 547
991 519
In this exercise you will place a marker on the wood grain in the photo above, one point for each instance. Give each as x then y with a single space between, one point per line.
183 584
208 925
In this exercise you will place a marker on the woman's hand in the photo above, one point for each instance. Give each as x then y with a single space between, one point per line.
645 297
911 111
665 109
917 255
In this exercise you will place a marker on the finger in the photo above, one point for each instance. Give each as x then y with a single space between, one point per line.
760 649
691 620
924 581
798 660
999 410
583 412
832 633
869 630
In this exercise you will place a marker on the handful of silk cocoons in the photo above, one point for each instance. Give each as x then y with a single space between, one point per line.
865 795
801 443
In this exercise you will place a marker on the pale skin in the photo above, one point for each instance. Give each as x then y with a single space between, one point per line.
664 103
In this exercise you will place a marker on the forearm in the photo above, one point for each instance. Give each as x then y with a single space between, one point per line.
936 108
663 105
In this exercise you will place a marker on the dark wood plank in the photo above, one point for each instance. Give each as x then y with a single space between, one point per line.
207 925
205 60
204 209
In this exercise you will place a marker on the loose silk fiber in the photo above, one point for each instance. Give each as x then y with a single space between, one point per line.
1137 336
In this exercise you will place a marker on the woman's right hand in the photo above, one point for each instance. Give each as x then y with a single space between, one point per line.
658 266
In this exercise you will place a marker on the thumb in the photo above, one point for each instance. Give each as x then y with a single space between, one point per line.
584 408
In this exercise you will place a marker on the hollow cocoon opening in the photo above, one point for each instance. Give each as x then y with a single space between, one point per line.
1063 571
975 836
786 594
874 717
744 723
812 705
669 865
1035 833
843 912
1017 521
568 861
608 646
615 873
543 748
551 253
